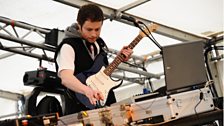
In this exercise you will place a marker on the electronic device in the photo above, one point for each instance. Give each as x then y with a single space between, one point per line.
42 78
192 102
174 106
151 111
118 115
184 65
137 98
40 120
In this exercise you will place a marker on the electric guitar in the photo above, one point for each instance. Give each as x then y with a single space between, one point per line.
98 76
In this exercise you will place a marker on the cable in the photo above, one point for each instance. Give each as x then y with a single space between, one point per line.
209 48
152 39
136 66
149 31
201 96
210 82
147 107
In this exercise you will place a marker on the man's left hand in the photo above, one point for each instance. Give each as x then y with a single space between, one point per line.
127 52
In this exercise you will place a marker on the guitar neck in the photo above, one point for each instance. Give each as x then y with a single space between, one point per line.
119 58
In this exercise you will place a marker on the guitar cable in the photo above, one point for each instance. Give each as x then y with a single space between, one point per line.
151 38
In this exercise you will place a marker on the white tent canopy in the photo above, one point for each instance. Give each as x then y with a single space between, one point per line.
178 20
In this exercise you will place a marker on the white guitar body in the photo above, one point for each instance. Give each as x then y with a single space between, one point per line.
100 81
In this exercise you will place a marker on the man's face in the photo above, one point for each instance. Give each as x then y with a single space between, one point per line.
91 30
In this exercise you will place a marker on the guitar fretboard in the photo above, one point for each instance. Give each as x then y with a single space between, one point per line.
119 58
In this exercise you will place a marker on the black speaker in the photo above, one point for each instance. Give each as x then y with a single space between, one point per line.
42 78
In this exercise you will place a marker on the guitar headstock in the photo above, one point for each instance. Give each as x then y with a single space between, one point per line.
152 27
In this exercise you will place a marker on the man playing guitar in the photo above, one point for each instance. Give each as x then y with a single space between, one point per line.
81 55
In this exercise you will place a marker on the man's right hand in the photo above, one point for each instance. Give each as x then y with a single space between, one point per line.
93 95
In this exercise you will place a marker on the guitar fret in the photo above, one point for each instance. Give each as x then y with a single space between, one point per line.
108 71
119 58
135 41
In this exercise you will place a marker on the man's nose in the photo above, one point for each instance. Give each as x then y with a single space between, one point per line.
94 34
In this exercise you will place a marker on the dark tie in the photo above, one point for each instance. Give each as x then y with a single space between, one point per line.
92 48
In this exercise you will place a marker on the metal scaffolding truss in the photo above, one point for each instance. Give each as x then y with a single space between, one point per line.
27 47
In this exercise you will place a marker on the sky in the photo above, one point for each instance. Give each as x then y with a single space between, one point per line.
195 16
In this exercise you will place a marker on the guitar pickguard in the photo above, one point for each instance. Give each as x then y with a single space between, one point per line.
96 79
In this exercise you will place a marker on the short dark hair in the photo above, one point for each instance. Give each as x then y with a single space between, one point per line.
89 12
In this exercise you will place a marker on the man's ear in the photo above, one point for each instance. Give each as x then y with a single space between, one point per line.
79 27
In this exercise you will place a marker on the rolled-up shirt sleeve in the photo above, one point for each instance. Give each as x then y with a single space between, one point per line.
66 58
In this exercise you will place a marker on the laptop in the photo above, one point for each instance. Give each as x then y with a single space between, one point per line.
184 66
